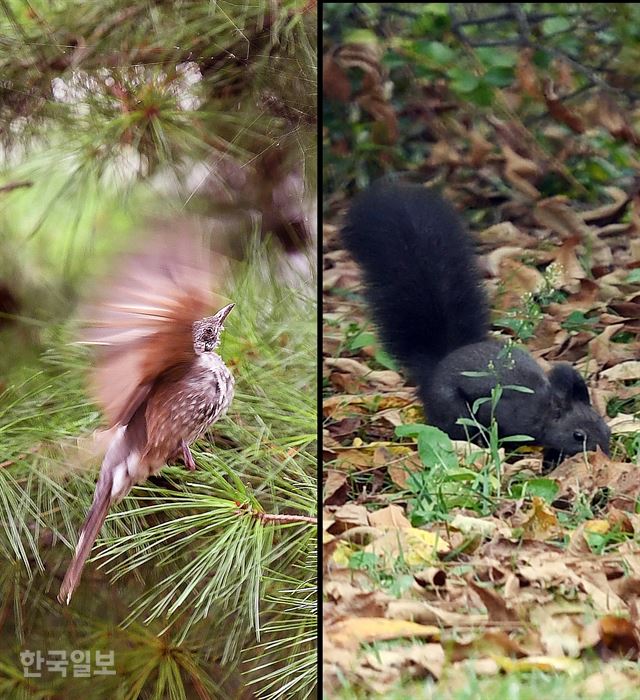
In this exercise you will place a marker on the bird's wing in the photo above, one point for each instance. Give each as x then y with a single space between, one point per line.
166 414
142 324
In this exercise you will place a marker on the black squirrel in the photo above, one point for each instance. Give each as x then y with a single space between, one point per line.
426 295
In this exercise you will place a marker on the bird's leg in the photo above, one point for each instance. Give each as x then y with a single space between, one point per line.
189 462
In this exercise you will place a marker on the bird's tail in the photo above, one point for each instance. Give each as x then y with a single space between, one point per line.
114 482
88 533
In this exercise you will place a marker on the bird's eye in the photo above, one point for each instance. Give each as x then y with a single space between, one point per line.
579 435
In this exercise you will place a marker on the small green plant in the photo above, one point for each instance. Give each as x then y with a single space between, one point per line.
436 489
522 323
603 542
363 339
577 321
396 581
546 489
523 319
492 438
445 483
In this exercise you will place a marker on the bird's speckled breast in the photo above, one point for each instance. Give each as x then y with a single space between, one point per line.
184 409
209 388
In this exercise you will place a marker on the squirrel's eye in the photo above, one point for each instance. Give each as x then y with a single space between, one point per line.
579 435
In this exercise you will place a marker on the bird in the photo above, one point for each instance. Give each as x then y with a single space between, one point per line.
156 375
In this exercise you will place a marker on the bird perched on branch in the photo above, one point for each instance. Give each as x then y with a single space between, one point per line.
157 376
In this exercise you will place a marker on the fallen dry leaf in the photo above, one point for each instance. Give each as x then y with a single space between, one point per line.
416 547
352 632
605 213
432 577
556 214
623 371
380 378
487 643
404 465
415 661
341 406
348 516
520 171
391 516
619 637
497 609
335 488
539 663
479 526
541 522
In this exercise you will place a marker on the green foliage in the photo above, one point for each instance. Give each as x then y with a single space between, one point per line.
633 277
362 339
215 575
546 489
448 483
250 59
577 321
395 582
434 446
523 319
464 56
445 483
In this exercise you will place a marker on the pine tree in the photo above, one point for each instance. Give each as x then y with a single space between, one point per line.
108 111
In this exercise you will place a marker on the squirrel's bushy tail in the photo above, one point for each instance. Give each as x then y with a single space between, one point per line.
422 282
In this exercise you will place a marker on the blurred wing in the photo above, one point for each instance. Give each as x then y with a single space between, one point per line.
142 326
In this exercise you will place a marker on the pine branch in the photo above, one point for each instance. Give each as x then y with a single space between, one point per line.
277 518
9 187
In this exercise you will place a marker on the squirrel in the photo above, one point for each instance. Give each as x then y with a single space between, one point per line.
426 295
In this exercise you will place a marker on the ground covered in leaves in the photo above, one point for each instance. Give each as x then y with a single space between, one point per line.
460 555
447 562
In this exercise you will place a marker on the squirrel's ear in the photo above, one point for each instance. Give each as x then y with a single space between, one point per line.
567 384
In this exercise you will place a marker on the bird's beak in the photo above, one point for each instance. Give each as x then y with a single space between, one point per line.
223 313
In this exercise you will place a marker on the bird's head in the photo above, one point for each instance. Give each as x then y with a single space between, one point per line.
207 331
